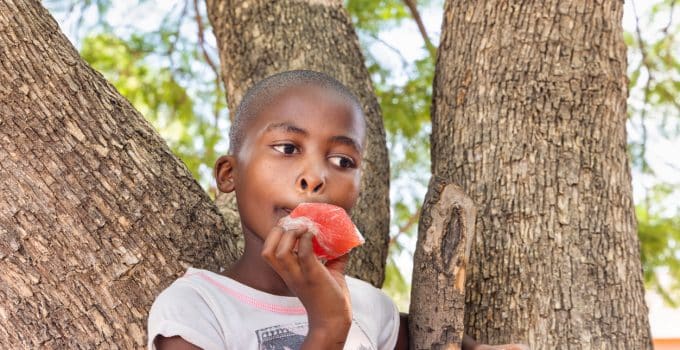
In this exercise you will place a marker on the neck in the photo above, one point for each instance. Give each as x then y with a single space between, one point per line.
253 271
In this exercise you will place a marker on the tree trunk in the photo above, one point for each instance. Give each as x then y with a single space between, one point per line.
529 118
96 214
444 241
257 38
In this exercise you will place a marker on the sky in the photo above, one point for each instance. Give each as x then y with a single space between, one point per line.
408 41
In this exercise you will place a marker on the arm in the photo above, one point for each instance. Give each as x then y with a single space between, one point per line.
182 314
321 288
173 343
403 337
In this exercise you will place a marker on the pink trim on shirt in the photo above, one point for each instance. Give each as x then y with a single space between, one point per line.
250 300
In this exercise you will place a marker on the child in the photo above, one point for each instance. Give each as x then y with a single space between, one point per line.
297 137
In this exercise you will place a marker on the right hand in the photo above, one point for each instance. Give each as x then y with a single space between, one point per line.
321 288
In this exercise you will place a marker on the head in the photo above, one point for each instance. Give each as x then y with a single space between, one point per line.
297 136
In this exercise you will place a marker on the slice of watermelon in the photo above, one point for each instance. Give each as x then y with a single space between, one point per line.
334 232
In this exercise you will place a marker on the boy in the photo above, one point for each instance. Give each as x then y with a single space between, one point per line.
297 137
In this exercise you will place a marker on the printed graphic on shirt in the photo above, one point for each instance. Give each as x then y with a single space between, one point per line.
291 336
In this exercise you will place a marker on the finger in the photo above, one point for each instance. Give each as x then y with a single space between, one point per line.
306 257
336 268
270 243
289 223
289 239
284 251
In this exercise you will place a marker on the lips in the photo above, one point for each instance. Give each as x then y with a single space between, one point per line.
287 206
287 209
281 212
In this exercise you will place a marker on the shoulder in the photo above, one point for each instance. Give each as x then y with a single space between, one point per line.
185 309
366 295
183 287
184 294
196 288
375 312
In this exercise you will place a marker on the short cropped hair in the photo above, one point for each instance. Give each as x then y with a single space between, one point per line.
261 93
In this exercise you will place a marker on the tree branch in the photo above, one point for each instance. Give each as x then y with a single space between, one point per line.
646 89
670 18
404 62
173 43
407 226
411 4
201 40
213 66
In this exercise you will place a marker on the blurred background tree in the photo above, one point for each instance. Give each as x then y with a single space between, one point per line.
653 126
162 56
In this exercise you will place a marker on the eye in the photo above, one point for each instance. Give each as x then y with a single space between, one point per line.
342 161
286 148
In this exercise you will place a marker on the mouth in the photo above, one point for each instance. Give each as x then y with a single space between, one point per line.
287 209
287 206
282 211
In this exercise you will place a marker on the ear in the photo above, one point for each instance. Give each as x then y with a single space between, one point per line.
225 168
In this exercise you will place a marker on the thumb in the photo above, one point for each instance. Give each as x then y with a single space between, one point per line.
336 268
338 264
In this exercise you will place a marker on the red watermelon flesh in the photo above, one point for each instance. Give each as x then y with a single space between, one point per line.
336 234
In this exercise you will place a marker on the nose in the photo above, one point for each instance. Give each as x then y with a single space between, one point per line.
311 181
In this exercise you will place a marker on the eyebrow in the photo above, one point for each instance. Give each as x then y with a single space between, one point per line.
347 141
288 127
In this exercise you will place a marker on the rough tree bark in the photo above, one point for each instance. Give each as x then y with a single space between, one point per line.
257 38
445 234
96 214
529 119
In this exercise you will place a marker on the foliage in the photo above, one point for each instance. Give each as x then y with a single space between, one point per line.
661 236
406 114
396 285
169 73
157 71
165 73
653 110
654 74
376 16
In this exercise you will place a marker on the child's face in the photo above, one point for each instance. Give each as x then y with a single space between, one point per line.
304 146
